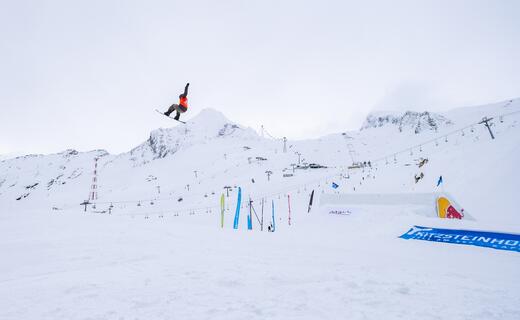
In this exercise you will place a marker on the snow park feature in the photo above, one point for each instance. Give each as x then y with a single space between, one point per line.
426 204
449 209
159 242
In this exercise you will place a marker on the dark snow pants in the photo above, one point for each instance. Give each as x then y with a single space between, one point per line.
175 107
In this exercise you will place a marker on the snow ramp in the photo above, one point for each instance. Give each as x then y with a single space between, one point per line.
436 204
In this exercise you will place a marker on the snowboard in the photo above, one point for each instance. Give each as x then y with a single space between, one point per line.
170 117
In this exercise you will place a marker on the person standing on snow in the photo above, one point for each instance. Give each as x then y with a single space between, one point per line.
182 106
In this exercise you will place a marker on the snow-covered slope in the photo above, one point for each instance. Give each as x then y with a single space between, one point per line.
41 181
161 253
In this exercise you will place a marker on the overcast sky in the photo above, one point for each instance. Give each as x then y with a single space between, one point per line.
88 74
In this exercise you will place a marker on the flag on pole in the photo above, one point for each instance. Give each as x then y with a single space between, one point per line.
310 202
440 181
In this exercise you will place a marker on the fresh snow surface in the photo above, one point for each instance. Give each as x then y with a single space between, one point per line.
155 257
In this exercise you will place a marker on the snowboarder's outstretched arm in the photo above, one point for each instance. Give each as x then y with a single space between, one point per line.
186 90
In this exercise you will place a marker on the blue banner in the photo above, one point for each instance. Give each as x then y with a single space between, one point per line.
495 240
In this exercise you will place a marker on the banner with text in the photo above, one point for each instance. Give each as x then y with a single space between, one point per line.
495 240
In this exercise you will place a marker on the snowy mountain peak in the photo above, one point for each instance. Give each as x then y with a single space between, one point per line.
207 125
208 115
212 124
417 121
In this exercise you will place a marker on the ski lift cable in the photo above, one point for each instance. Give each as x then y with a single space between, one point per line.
456 131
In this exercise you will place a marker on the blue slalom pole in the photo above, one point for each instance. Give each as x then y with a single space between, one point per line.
237 212
249 217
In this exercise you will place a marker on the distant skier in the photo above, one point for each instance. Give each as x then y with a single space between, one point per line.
182 106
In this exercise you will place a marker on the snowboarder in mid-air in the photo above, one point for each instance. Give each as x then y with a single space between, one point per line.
181 107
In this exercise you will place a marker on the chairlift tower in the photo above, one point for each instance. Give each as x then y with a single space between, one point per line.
486 121
227 190
299 157
269 173
350 147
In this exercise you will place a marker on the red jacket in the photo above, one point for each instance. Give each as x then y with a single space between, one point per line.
183 101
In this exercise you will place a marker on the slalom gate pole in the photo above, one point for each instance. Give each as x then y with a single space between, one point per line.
289 205
262 223
222 207
272 207
237 211
256 215
310 202
249 217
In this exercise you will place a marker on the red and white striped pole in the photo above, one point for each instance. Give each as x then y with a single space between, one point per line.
93 188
